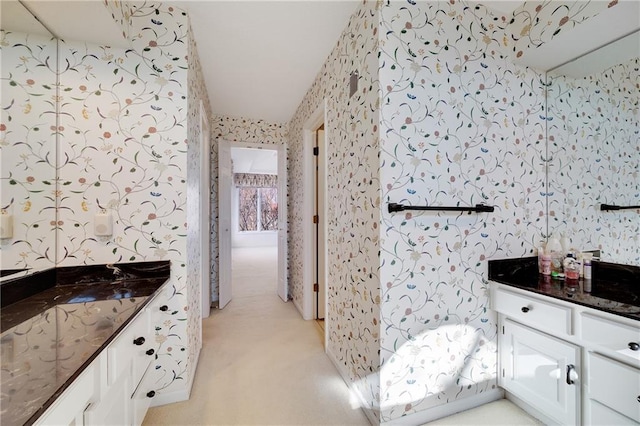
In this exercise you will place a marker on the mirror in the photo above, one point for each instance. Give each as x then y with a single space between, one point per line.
28 127
593 148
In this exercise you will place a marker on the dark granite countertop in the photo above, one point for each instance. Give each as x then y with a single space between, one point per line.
55 323
614 288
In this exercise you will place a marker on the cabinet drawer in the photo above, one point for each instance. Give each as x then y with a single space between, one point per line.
541 314
615 385
601 415
143 395
610 334
127 354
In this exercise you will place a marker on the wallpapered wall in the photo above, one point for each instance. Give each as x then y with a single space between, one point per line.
236 129
128 137
353 203
27 144
459 126
594 155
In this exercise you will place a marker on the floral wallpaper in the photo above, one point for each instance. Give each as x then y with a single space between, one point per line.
456 119
460 125
126 142
594 158
236 129
27 146
353 202
539 21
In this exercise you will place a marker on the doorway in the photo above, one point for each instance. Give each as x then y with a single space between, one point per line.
319 287
252 213
316 295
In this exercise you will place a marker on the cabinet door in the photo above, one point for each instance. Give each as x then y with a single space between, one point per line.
541 370
114 408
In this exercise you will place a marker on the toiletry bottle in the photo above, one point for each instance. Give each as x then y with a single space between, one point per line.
571 269
546 264
564 243
579 264
540 251
554 249
587 268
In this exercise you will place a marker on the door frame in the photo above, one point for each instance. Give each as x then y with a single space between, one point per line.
205 211
310 126
224 192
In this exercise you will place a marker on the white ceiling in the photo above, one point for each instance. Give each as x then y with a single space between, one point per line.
260 57
258 161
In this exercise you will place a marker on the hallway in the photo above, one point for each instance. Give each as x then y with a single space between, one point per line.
261 363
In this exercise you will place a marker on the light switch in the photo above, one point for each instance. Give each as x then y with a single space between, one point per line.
102 224
6 225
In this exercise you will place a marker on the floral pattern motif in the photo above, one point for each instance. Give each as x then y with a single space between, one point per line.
594 153
353 202
538 22
27 143
457 118
130 134
459 126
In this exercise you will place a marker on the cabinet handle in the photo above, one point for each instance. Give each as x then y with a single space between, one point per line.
151 394
138 341
525 309
634 346
572 375
164 308
150 352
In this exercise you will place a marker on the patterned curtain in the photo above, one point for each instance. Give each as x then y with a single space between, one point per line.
255 180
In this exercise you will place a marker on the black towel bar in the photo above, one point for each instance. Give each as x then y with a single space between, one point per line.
605 207
479 208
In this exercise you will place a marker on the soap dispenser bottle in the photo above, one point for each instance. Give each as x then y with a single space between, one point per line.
554 249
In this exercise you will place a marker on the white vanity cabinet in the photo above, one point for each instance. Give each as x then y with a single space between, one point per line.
69 408
542 370
566 363
117 386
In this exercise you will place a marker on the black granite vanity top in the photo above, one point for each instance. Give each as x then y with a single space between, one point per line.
614 288
55 323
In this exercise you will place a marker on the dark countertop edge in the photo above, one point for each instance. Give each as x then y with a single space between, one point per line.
91 358
635 317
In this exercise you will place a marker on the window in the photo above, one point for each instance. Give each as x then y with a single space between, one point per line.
257 209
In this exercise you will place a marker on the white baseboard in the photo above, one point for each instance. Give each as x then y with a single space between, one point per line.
299 308
435 413
165 398
354 391
179 395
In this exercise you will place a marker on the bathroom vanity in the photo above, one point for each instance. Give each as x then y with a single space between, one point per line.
78 345
566 355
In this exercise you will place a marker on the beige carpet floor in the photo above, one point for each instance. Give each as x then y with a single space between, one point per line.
262 364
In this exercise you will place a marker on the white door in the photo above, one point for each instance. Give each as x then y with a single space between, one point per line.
542 370
224 223
283 290
205 212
